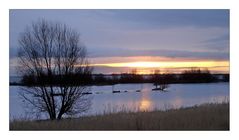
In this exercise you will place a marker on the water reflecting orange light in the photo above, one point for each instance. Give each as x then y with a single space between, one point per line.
145 105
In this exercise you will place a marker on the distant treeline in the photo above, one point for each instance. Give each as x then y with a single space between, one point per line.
188 76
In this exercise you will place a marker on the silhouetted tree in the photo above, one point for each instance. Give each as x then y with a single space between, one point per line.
115 78
52 55
196 75
226 77
160 80
136 77
29 80
100 78
132 77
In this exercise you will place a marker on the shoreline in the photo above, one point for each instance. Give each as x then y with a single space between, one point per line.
210 116
19 84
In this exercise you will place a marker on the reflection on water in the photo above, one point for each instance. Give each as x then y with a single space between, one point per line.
145 101
145 105
178 95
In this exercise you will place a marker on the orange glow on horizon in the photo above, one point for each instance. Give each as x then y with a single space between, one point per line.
146 67
202 64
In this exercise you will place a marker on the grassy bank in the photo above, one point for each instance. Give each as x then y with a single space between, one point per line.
203 117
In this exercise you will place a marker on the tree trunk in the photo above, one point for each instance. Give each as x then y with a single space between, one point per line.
52 116
59 117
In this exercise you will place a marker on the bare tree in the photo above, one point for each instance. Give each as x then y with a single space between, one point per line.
53 55
160 80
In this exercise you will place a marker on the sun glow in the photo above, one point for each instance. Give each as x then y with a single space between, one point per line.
148 67
203 64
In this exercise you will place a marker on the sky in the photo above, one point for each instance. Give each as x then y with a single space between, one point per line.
121 40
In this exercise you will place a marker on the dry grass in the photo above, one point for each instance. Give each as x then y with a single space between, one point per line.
203 117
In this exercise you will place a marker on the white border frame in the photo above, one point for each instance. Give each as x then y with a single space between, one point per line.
5 5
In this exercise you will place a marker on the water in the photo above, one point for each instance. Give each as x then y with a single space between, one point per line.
103 100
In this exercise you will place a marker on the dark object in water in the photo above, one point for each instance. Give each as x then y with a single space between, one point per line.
125 91
138 90
87 93
116 91
158 89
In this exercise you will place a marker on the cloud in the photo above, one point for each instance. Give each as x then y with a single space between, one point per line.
164 53
188 42
193 34
224 37
219 43
175 17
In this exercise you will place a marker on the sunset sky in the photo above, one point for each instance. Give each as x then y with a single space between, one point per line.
121 40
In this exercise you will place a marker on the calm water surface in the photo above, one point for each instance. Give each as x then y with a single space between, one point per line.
103 100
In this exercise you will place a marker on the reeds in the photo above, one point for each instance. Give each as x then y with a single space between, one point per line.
213 116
